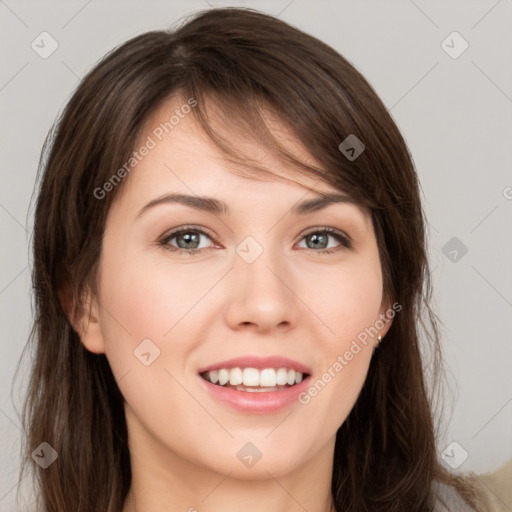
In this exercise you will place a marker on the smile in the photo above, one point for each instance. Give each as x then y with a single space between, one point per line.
253 379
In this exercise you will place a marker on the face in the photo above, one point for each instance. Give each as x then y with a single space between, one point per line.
183 289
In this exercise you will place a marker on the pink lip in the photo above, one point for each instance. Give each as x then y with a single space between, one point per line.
257 402
259 363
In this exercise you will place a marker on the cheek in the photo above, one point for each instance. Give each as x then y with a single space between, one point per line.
147 310
149 300
349 308
346 358
348 302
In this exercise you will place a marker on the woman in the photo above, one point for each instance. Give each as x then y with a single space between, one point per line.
230 270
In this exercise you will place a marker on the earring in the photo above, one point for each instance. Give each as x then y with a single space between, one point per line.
379 339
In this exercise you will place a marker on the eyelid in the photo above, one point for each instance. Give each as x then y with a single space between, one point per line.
343 238
346 240
169 235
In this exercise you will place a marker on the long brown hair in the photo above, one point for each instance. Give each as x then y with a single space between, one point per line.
245 63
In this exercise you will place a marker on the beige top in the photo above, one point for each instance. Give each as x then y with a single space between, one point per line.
448 499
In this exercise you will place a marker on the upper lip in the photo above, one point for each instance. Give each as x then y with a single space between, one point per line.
259 363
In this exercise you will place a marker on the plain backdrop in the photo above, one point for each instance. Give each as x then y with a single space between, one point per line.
454 108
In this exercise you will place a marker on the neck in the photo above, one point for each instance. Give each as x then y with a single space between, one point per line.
254 498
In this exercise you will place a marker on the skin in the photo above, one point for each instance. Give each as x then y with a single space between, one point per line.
290 301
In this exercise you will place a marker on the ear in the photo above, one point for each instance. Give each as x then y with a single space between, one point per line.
84 316
387 312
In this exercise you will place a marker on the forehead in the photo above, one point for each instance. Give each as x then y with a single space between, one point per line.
178 139
183 159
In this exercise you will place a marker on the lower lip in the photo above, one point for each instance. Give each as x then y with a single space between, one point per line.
263 402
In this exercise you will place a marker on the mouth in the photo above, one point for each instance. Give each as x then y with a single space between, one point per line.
256 385
254 380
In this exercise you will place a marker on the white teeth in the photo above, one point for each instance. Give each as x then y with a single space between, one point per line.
252 377
223 376
236 377
214 376
281 376
268 377
256 390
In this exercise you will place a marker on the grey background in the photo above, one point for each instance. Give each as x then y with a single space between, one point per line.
453 112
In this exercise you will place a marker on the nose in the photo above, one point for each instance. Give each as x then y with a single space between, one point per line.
261 295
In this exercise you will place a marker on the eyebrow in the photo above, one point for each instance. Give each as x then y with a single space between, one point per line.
217 207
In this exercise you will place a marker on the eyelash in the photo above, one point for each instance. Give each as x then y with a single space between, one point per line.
338 235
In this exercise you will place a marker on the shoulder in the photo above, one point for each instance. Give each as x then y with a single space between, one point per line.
447 499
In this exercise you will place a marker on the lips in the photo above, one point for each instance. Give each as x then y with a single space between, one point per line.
255 384
260 363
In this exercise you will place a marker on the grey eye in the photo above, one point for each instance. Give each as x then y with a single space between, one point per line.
186 239
318 240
